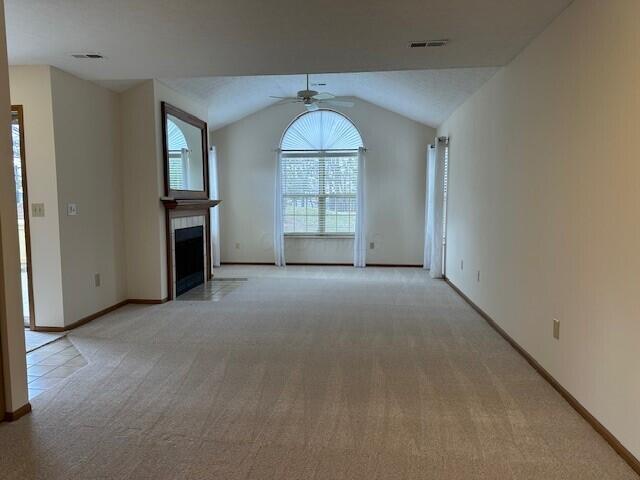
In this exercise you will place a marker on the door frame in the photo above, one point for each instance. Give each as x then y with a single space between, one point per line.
19 111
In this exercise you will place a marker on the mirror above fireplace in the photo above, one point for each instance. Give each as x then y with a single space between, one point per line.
185 151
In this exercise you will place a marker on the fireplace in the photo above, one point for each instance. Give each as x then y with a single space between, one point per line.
189 258
188 264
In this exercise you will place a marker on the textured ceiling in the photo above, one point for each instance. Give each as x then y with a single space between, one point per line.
191 38
427 96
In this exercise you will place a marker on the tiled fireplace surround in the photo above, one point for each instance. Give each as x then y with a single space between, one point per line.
178 222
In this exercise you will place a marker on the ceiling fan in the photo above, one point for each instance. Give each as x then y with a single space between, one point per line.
313 100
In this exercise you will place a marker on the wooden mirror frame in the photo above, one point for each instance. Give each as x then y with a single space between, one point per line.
167 110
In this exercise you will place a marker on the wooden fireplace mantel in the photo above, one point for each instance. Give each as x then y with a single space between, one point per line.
188 203
185 207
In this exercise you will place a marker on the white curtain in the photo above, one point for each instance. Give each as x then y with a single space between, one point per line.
278 223
184 157
434 241
360 241
214 194
428 202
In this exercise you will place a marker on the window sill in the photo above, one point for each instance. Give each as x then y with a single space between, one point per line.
301 236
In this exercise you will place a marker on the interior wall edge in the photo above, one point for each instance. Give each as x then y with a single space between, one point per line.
12 342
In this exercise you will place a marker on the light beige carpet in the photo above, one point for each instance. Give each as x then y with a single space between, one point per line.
304 373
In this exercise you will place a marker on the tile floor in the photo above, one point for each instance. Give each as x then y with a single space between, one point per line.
49 365
34 340
213 291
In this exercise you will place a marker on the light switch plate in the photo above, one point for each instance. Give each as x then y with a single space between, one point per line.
372 245
72 209
37 209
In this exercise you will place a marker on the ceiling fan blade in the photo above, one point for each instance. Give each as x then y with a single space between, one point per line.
311 107
324 96
287 102
283 98
339 103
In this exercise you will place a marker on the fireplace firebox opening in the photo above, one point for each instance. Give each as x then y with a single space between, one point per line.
189 258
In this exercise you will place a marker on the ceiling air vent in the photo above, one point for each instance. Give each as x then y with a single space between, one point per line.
437 43
429 44
94 56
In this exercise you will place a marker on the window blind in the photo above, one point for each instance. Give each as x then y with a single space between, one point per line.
176 171
319 192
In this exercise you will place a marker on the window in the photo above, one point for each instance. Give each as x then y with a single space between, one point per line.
320 174
178 156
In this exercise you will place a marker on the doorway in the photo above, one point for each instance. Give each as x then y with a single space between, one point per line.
22 204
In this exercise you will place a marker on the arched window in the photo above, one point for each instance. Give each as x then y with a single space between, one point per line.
178 156
320 174
321 130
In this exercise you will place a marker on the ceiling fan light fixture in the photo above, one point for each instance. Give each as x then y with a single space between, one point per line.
307 93
313 100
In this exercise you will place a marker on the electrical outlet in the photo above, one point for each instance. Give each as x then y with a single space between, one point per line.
96 279
372 245
478 275
556 329
72 209
37 209
461 264
237 246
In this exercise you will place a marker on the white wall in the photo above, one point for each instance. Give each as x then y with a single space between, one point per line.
13 390
143 170
544 200
31 88
395 180
88 167
142 214
72 149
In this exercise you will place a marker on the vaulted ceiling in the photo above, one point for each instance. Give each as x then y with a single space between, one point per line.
204 47
427 96
190 38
